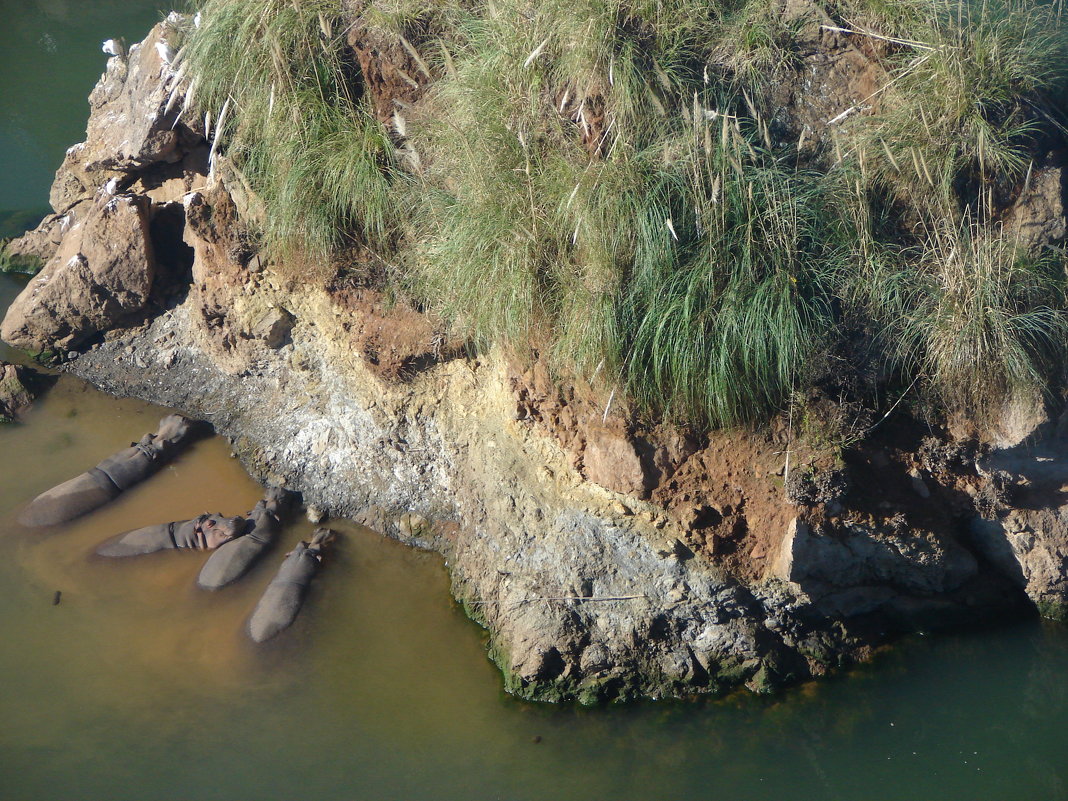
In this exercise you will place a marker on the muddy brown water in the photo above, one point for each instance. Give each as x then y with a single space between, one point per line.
139 686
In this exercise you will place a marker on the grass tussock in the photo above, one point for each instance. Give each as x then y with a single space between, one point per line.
723 320
593 193
982 322
964 102
292 121
991 324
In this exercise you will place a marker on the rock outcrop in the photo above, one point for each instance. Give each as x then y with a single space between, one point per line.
117 201
1028 540
102 273
1040 216
854 569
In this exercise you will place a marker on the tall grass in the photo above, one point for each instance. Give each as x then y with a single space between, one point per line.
960 112
976 316
319 161
673 254
723 322
593 179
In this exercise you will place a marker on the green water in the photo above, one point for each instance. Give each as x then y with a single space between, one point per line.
138 686
50 58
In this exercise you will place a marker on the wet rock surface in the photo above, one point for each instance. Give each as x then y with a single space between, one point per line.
16 391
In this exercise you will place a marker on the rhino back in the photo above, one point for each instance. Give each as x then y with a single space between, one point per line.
229 562
138 542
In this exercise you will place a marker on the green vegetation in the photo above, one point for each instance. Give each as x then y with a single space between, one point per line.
274 76
603 181
963 102
17 263
983 321
590 194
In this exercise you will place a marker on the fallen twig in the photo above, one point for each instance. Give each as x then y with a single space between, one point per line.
564 598
894 40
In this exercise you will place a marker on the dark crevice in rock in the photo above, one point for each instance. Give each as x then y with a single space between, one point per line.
174 258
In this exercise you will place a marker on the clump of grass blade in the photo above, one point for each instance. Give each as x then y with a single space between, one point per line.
319 161
978 317
959 110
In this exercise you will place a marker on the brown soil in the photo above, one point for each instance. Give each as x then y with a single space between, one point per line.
392 75
726 492
396 340
730 499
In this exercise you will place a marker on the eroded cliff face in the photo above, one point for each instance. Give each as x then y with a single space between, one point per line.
606 557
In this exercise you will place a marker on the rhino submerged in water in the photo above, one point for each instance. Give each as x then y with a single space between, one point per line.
233 559
203 533
283 597
111 477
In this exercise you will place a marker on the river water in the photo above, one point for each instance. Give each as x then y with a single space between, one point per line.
138 686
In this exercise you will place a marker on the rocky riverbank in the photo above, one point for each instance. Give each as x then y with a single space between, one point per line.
607 557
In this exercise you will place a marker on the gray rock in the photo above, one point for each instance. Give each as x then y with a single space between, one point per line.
870 563
1030 547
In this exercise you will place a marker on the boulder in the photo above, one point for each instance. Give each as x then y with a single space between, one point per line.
113 193
612 461
101 274
1030 547
14 392
31 251
133 121
1029 542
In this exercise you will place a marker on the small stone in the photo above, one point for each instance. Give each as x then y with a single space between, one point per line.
315 514
14 392
413 525
536 739
72 355
274 328
918 484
